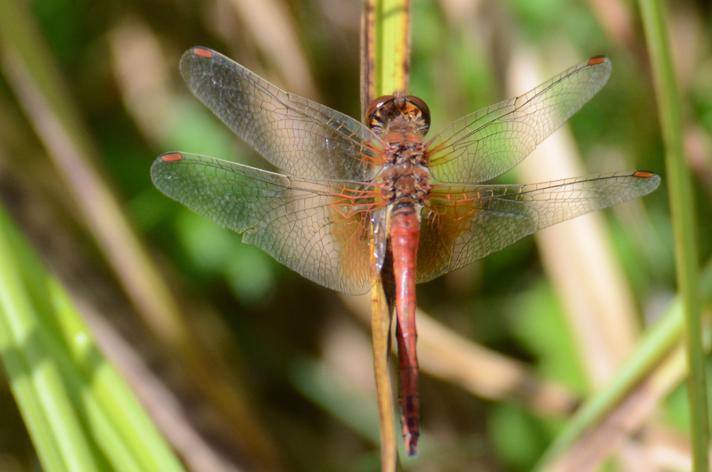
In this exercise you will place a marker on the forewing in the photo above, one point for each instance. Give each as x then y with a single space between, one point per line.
461 224
482 145
297 135
318 229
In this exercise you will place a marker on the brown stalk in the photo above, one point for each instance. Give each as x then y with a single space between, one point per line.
385 48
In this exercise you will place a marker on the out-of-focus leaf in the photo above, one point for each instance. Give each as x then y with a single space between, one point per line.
540 325
80 413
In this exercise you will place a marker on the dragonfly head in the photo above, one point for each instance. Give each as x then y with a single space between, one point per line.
401 113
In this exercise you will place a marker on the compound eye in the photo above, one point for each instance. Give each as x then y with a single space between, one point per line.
376 105
424 110
419 103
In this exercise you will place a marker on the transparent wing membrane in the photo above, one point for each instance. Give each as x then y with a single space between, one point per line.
297 135
464 223
482 145
318 229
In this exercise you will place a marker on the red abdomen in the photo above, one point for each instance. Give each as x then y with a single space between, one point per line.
404 236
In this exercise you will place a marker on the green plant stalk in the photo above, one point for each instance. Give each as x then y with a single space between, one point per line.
117 411
657 343
69 345
392 37
683 222
110 428
32 369
109 404
385 59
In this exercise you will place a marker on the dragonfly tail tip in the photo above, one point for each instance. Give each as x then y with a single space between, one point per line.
411 444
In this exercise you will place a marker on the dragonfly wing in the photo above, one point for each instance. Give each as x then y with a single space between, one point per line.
482 145
297 135
314 228
461 224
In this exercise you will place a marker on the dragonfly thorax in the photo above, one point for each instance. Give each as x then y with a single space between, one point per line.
404 149
405 183
405 176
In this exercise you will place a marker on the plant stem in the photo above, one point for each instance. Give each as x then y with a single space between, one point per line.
682 208
385 56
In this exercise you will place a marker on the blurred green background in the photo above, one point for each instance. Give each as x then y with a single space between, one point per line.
256 368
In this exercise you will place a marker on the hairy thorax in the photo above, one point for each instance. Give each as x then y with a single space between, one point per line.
405 176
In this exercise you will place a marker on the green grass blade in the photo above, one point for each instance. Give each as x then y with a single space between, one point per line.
47 406
657 343
683 222
80 414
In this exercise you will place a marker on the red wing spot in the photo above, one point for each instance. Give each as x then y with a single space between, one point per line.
203 52
594 61
644 174
173 157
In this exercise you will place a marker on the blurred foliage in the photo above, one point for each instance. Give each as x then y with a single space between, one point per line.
302 360
78 410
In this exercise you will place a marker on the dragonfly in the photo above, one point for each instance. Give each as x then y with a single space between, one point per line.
349 194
